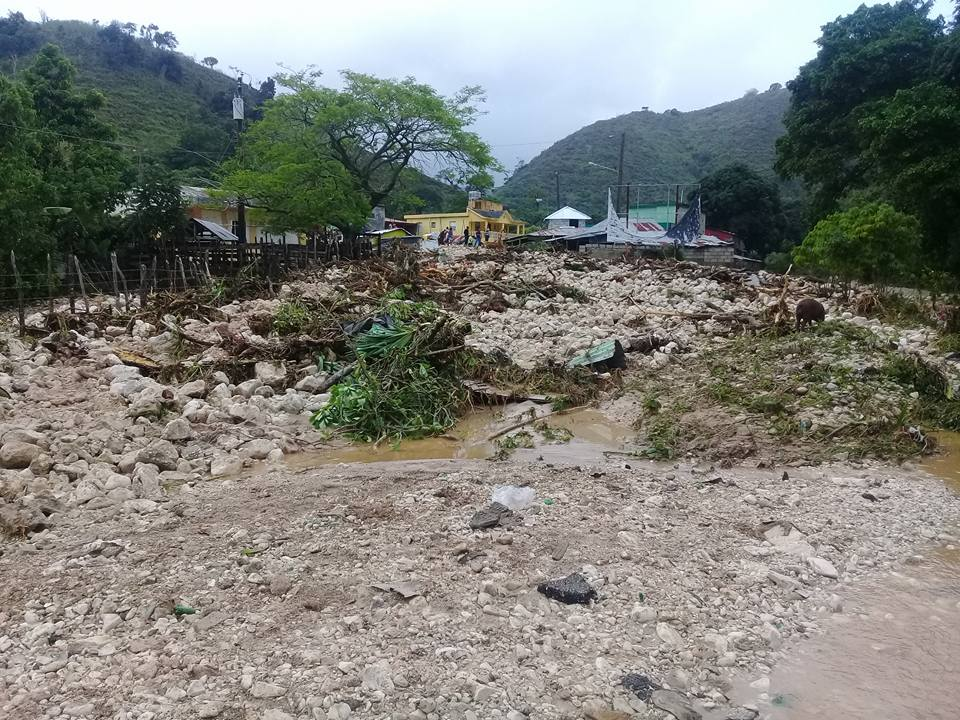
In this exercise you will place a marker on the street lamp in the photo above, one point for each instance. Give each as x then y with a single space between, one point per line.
604 167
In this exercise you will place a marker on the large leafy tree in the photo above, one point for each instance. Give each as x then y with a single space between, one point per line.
864 57
737 199
21 182
877 114
83 167
54 152
322 154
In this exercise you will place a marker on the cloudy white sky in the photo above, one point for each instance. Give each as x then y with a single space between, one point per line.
549 67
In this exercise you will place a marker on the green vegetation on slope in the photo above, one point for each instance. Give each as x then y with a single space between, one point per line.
668 147
173 110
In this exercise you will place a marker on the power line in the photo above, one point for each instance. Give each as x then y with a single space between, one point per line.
116 143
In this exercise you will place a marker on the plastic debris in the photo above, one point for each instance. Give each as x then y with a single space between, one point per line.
514 497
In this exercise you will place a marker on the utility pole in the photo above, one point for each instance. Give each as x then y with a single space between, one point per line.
623 140
557 174
238 119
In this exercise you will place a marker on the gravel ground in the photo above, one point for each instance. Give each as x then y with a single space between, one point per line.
702 575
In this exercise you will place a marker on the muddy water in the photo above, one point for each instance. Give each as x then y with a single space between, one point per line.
472 439
894 651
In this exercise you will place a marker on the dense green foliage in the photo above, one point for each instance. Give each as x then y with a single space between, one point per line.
876 115
157 99
57 153
326 154
668 147
870 241
740 200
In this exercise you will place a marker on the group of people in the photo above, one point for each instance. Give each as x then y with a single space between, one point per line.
448 236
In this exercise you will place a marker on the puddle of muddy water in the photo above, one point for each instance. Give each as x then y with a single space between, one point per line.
593 434
945 463
892 654
894 651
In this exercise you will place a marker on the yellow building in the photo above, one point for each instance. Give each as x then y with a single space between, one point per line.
480 215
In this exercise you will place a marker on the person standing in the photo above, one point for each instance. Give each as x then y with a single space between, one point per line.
442 238
476 238
486 235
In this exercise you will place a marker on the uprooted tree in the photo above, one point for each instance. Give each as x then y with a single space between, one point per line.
325 155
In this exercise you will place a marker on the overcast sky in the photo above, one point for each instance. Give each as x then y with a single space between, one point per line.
549 67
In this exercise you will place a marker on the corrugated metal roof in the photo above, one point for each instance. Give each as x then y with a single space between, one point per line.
219 230
567 213
493 214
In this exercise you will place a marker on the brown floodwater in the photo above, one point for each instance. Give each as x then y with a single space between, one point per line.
894 651
593 434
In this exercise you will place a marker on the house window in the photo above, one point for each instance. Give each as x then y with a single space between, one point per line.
476 204
433 224
235 228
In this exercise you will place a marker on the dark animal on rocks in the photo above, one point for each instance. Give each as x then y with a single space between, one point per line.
809 311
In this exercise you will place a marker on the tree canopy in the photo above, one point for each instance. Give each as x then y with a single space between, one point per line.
739 200
321 154
876 114
56 152
870 241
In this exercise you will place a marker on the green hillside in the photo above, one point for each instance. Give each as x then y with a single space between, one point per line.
668 147
173 110
156 97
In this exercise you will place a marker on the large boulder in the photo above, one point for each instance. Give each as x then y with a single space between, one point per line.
17 455
161 453
23 435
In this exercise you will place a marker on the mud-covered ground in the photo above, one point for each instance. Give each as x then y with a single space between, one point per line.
703 576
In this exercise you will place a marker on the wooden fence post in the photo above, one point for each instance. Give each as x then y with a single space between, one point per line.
49 287
144 288
73 291
183 275
16 279
83 289
126 292
153 274
113 276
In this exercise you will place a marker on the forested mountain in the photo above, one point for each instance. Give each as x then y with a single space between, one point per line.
667 147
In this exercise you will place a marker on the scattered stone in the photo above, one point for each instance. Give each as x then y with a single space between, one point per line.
598 710
571 590
194 389
267 690
741 713
177 430
257 449
668 635
225 465
822 567
272 374
16 454
210 710
161 453
490 516
675 704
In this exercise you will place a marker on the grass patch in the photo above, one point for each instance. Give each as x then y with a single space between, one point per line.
291 318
